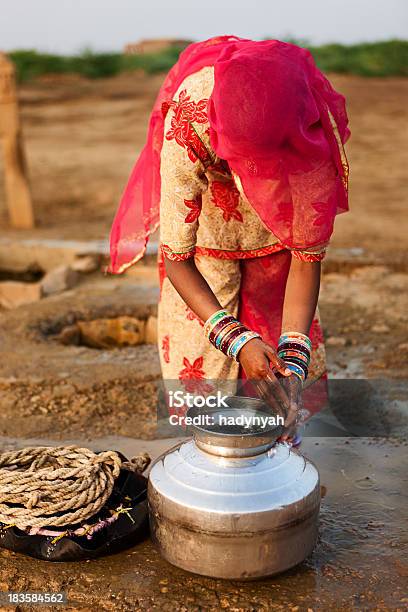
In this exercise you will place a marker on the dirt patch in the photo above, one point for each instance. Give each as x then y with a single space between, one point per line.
367 308
48 387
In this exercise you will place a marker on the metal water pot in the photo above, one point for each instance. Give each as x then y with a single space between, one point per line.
234 505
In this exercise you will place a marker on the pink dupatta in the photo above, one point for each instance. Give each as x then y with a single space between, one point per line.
279 124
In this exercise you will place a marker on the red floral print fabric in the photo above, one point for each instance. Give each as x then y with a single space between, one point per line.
247 254
225 195
193 376
195 209
187 112
166 348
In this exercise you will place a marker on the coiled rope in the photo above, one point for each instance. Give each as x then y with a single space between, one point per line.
42 485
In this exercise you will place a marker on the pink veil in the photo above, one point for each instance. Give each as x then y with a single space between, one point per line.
294 175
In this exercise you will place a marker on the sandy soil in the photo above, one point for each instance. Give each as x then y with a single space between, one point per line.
82 138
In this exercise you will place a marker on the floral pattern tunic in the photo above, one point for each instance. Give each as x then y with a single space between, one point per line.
203 209
203 214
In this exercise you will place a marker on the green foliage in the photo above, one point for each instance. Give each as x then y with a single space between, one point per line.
388 58
30 64
95 65
153 62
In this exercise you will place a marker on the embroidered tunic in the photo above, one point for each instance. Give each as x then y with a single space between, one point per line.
203 209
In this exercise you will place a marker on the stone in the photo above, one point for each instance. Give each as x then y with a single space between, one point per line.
151 331
110 333
70 335
58 280
87 263
380 328
46 253
14 293
336 341
7 402
63 390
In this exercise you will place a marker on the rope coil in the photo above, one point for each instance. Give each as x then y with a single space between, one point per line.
42 485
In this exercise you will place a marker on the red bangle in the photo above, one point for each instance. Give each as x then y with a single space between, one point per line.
219 326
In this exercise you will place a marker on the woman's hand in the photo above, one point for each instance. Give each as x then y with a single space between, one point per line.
292 386
259 359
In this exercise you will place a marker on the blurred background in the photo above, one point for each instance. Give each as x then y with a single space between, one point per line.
86 76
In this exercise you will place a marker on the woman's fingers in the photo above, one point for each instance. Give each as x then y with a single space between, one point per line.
258 358
276 361
288 435
278 391
269 392
293 388
269 386
292 415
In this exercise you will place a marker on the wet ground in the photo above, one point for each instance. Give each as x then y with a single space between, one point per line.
360 561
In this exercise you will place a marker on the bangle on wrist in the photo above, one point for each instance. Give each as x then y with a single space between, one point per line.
227 334
211 321
295 337
240 342
295 350
296 372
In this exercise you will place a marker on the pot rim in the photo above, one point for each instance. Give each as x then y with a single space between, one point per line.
223 438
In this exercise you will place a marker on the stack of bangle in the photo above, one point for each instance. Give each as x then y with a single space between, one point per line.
295 349
227 334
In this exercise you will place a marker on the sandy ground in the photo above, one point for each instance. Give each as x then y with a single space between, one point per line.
82 138
48 388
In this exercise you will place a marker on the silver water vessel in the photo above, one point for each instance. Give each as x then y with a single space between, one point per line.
231 503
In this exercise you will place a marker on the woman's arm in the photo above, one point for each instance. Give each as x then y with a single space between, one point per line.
191 285
302 292
301 295
256 356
